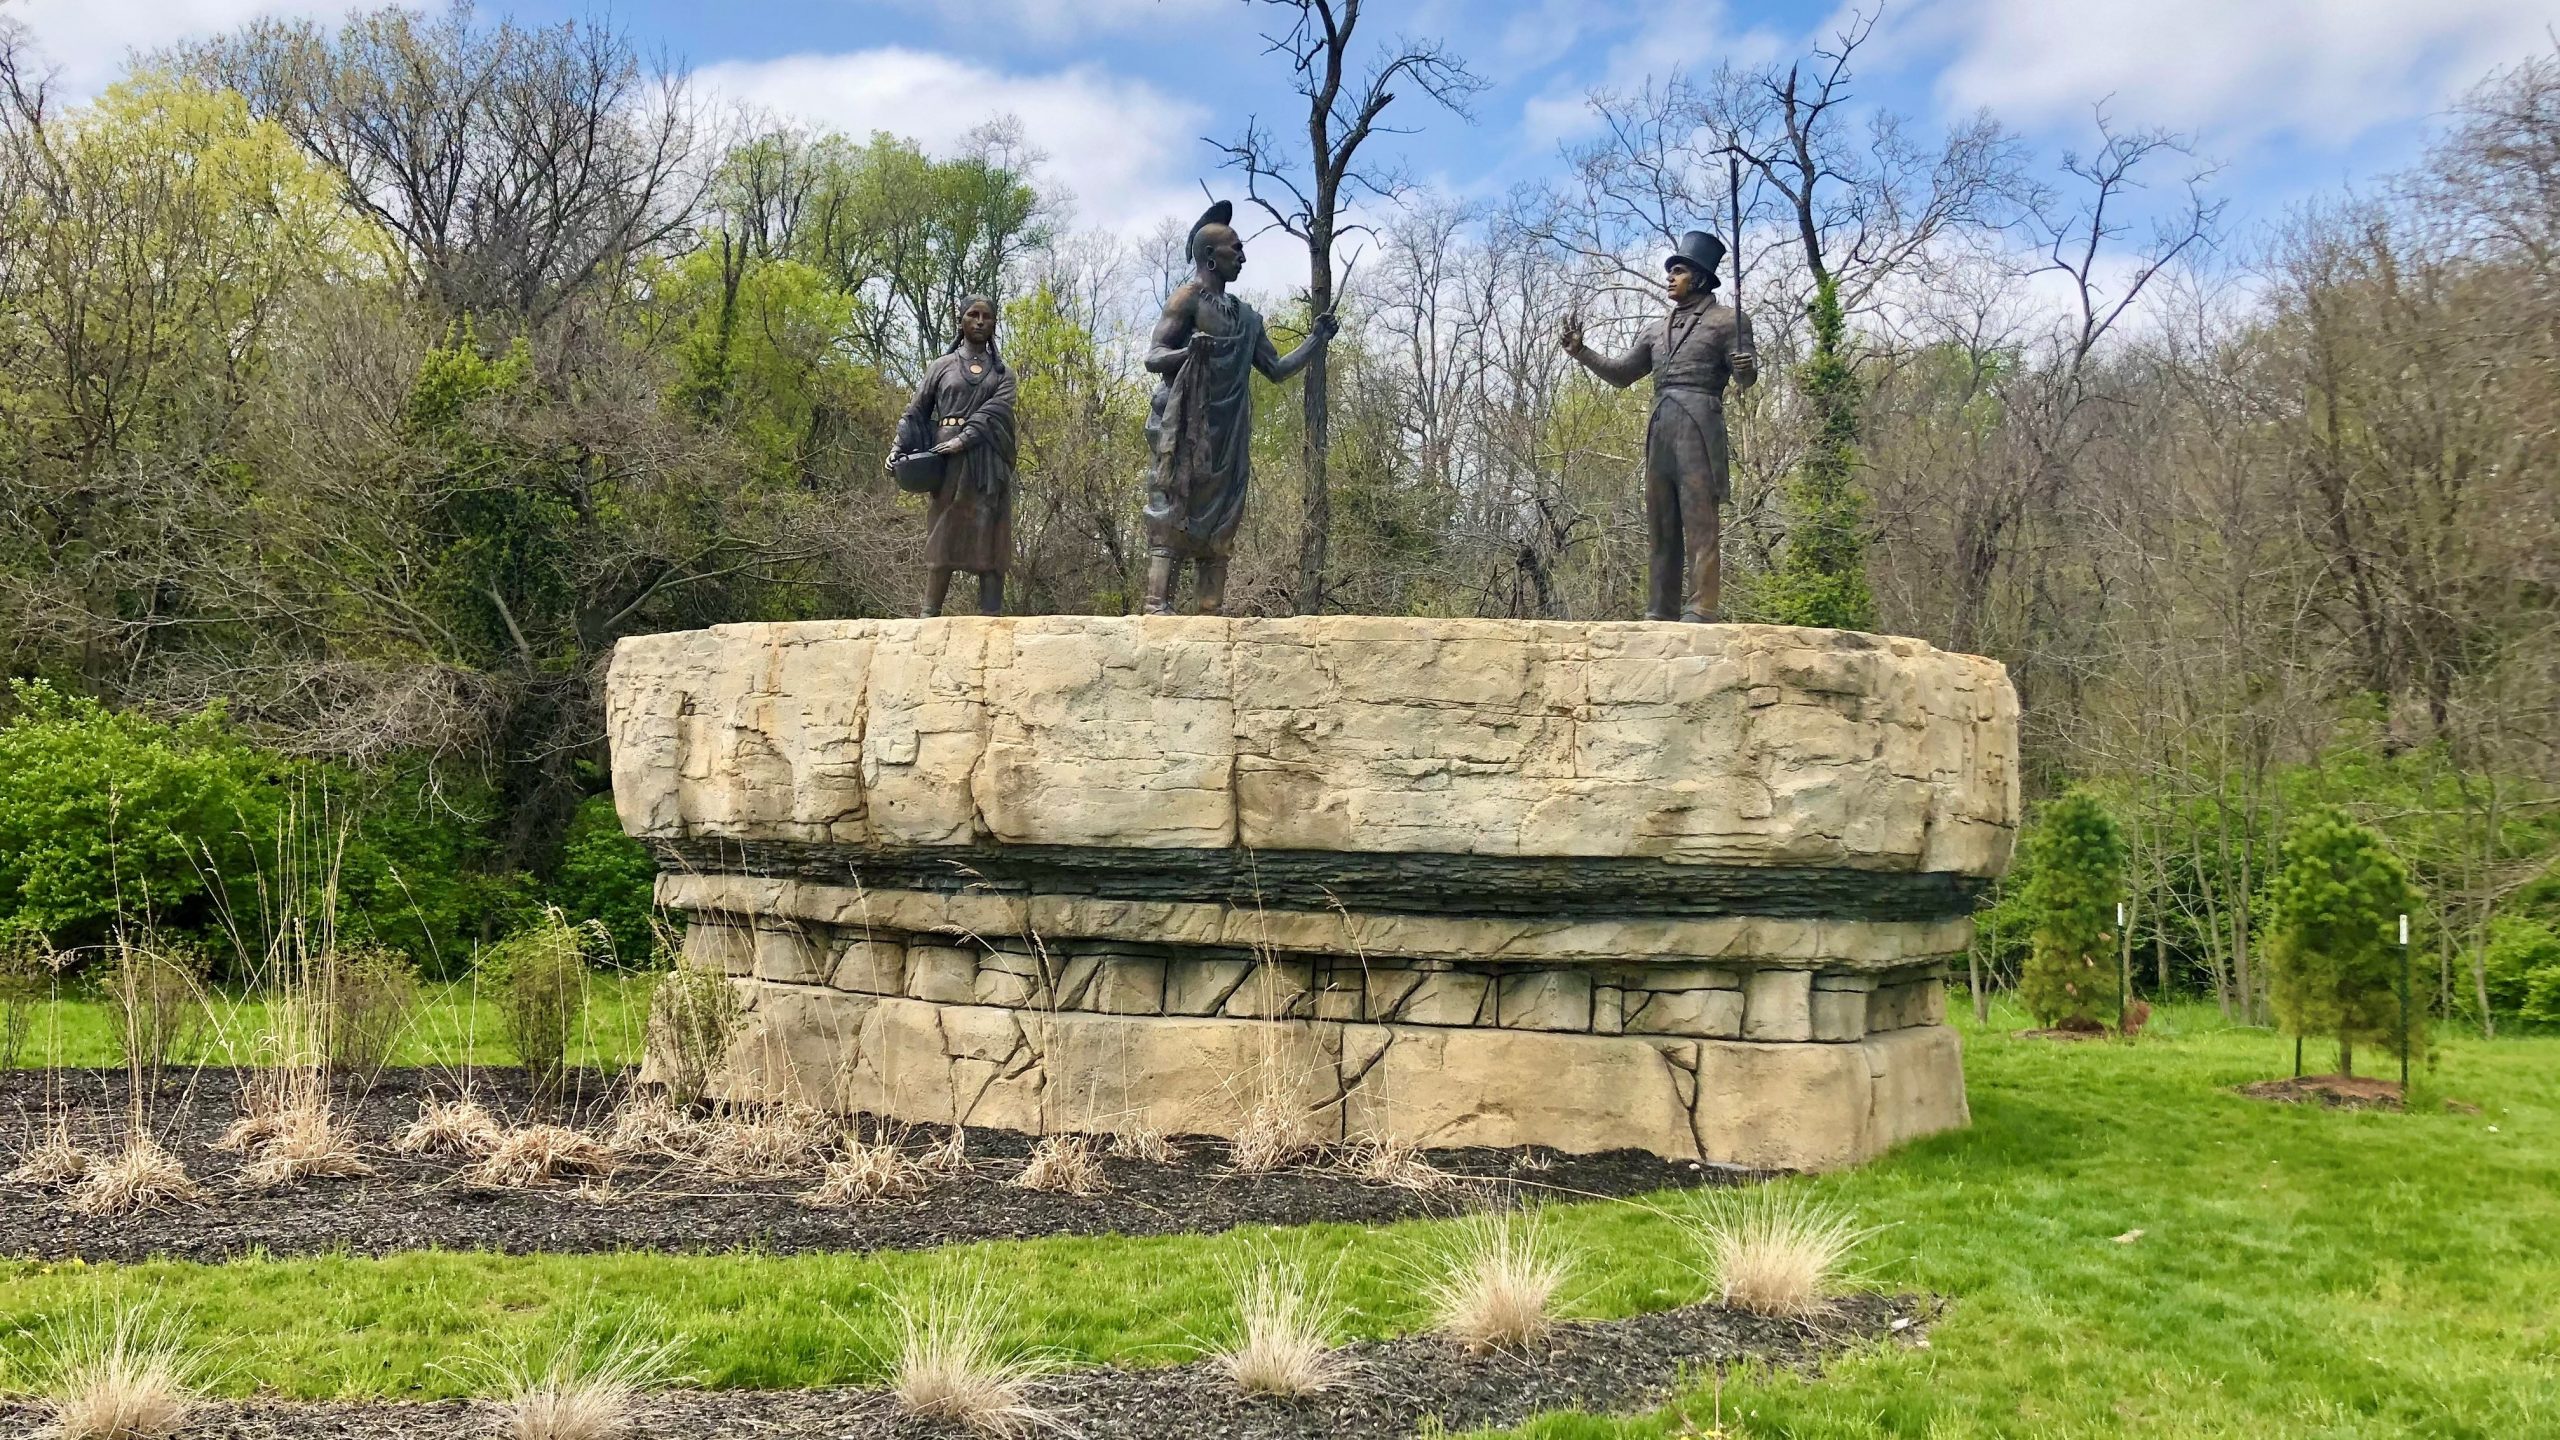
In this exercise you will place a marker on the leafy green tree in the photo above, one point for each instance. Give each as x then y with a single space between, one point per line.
1821 577
610 879
2334 960
2070 979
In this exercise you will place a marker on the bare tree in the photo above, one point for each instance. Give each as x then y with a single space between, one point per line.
1306 197
514 165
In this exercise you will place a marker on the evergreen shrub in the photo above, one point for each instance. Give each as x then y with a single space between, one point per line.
2071 978
2331 939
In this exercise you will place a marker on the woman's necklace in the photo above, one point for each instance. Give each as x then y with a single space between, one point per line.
977 365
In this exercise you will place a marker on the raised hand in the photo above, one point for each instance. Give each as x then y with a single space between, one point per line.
1328 325
1570 337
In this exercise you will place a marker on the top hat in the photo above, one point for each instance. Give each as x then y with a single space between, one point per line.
1700 250
1220 212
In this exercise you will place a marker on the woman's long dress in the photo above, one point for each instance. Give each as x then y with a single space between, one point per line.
969 525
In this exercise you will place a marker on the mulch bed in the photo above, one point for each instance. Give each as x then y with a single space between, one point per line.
414 1203
1617 1366
2337 1092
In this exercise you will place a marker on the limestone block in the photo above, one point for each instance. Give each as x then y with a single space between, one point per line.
944 974
1544 1000
1446 997
1933 1002
1128 985
945 1065
1609 1010
1183 1076
1839 1015
1583 1093
1276 989
871 967
1917 1078
795 1045
1202 986
1011 988
1109 735
1681 977
790 955
1783 1107
729 949
1706 1014
1386 989
1777 1005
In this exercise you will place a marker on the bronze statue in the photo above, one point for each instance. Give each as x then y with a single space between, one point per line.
1687 457
1200 427
963 414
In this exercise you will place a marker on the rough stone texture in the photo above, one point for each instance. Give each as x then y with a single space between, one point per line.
1689 889
1750 744
1777 1005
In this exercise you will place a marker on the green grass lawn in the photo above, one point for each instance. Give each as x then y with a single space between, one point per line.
2300 1273
454 1026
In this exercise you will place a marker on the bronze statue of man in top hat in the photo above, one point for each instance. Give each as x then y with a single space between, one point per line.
1206 347
1688 469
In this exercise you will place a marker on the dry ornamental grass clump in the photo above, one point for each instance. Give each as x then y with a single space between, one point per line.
143 1178
952 1366
461 1126
1279 1348
867 1173
307 1143
531 1155
54 1161
1270 1138
1384 1160
951 1157
652 1124
769 1143
579 1392
1774 1250
1063 1165
1144 1142
1495 1286
128 1378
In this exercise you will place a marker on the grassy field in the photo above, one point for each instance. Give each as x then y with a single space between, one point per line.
2299 1272
454 1026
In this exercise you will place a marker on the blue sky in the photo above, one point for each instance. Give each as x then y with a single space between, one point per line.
2290 96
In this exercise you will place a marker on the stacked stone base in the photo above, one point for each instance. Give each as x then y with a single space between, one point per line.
1765 1066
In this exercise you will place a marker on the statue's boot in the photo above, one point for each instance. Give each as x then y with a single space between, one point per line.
937 587
1162 571
991 593
1213 587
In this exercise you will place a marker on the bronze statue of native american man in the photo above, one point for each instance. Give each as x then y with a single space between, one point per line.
1696 349
1206 347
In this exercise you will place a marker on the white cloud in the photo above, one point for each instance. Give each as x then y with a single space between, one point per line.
90 39
2325 71
1053 21
1123 148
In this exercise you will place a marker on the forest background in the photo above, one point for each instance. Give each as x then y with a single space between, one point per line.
360 386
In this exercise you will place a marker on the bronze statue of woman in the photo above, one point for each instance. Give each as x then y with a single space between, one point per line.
963 412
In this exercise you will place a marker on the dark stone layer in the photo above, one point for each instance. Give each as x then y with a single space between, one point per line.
1420 883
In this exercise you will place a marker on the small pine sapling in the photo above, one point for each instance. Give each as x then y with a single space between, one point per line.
2070 979
2331 938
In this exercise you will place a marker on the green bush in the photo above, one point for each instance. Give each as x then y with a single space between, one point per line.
608 878
106 816
2524 968
538 978
2070 979
2332 935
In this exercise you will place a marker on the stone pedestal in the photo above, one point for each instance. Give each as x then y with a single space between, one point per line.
1687 889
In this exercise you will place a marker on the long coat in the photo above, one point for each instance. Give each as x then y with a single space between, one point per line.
1691 356
969 525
